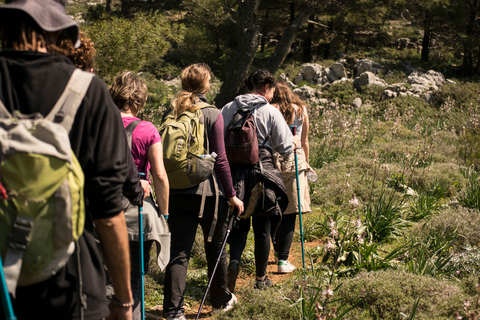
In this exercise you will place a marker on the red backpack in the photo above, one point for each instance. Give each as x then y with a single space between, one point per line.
241 143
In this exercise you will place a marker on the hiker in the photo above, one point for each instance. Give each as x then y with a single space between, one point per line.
32 78
129 93
83 56
260 186
186 204
294 111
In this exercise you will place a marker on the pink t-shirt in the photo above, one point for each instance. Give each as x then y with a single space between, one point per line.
144 135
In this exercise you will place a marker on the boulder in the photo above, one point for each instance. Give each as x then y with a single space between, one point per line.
357 103
308 94
298 78
311 72
365 79
368 65
335 72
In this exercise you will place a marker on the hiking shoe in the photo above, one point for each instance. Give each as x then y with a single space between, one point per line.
263 284
232 275
285 267
228 306
182 317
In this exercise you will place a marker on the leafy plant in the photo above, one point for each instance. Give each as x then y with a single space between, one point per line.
470 196
383 217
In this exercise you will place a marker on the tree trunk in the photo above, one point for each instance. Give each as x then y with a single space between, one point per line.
264 31
248 35
108 6
283 47
426 44
308 42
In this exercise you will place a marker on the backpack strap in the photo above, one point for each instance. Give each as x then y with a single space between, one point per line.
129 130
67 105
4 112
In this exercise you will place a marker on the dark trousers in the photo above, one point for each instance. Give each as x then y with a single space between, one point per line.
284 236
183 222
238 240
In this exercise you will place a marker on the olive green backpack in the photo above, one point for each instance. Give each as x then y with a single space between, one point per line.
42 211
183 138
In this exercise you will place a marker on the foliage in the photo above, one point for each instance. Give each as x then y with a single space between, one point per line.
130 44
391 293
470 195
430 251
260 304
383 217
343 92
464 263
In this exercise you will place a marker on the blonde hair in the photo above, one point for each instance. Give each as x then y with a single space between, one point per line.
195 80
286 100
129 92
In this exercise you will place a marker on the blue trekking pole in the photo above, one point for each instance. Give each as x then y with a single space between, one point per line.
7 304
142 267
294 131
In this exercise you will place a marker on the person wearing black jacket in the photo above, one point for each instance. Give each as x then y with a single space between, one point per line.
32 79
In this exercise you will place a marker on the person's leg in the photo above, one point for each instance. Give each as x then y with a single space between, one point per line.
183 223
285 235
219 294
261 228
135 278
237 241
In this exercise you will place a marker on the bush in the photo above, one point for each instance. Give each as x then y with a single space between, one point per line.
260 304
390 293
343 92
462 93
130 44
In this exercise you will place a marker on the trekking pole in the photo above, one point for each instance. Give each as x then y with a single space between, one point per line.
294 131
142 267
233 218
6 302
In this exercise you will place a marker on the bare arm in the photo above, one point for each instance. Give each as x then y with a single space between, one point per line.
112 233
159 175
304 139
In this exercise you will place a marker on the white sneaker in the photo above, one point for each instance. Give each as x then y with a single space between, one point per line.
285 267
182 317
228 306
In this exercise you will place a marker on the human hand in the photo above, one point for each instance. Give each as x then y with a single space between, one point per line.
119 313
297 143
146 188
237 203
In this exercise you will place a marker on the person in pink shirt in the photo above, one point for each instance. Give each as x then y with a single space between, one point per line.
129 93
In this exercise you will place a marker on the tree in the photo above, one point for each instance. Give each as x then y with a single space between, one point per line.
285 43
249 38
431 16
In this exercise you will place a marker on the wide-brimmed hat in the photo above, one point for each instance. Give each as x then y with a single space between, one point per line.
50 15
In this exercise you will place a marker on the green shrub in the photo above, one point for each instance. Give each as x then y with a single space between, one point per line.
130 44
390 293
470 195
383 217
260 304
465 221
343 92
465 263
462 93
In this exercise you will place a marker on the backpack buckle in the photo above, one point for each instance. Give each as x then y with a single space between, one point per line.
20 236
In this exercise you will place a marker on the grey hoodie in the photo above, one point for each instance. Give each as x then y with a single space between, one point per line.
268 119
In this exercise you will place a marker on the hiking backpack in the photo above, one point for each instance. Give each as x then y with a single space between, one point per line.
42 210
241 143
185 158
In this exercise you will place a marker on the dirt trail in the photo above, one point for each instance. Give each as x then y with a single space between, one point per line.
243 280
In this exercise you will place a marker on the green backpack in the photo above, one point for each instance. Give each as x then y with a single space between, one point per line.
42 211
186 161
